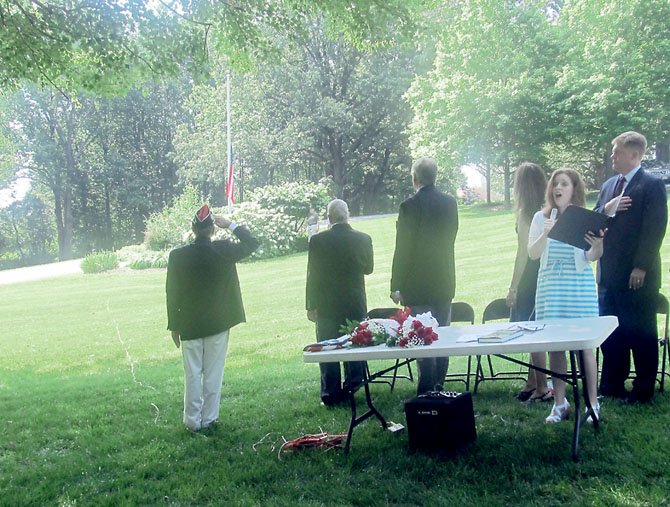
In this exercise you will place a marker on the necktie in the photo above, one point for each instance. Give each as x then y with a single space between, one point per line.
619 186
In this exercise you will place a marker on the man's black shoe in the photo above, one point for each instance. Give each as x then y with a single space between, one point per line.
633 399
614 393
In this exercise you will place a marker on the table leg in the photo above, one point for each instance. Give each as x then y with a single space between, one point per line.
575 395
372 410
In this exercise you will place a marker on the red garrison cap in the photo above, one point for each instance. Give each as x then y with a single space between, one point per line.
203 218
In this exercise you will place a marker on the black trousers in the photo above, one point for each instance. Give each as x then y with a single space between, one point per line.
432 370
332 389
637 332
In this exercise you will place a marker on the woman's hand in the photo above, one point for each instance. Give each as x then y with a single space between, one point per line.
549 225
596 242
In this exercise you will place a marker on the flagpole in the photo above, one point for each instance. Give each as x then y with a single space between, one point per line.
229 143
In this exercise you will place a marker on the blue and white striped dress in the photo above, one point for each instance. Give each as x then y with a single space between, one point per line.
562 291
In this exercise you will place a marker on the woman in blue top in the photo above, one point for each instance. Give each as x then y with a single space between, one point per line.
566 287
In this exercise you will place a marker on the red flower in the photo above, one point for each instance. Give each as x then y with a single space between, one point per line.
362 336
401 315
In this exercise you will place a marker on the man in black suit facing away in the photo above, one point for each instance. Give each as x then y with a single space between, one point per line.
423 275
203 303
337 262
630 269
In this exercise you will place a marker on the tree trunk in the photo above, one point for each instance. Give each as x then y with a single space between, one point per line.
507 180
63 194
663 152
487 176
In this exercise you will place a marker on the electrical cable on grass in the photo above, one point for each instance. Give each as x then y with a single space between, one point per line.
128 356
321 440
131 361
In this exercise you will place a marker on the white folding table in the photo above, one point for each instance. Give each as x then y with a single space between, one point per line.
571 335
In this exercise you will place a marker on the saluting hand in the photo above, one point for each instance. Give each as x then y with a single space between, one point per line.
222 221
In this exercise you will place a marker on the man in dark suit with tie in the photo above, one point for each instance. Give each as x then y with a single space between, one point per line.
630 269
203 303
423 275
337 261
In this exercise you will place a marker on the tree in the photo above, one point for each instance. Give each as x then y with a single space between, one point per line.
613 78
105 45
485 100
106 162
26 232
326 109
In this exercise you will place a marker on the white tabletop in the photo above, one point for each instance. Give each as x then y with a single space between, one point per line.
558 335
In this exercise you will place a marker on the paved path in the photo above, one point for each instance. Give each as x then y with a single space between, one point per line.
73 267
40 272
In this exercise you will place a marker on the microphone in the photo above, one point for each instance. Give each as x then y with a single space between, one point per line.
554 212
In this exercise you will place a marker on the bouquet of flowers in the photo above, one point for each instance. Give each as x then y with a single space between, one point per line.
415 331
402 330
370 332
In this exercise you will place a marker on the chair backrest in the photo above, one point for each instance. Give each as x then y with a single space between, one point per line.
462 312
496 310
382 313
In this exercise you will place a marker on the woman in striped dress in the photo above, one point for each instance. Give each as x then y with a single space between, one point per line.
566 287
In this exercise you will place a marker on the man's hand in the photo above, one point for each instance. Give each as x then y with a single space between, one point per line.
312 315
616 205
176 338
510 300
222 221
636 280
396 296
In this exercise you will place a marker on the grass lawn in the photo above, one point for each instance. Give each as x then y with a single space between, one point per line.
91 399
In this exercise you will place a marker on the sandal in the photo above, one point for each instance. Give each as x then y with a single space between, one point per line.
558 413
525 395
596 411
547 396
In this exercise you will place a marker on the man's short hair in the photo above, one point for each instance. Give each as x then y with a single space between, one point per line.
632 140
425 171
338 212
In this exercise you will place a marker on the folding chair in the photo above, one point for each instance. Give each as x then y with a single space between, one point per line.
387 313
495 310
462 312
662 309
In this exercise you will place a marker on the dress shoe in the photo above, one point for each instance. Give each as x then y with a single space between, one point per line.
633 399
614 393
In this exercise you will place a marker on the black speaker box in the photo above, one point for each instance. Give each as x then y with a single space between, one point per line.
440 422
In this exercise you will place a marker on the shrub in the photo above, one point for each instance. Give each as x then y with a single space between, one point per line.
170 227
139 257
294 199
99 262
273 229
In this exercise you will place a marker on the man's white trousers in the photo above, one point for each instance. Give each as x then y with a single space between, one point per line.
204 359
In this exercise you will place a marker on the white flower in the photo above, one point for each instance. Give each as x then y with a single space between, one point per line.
427 320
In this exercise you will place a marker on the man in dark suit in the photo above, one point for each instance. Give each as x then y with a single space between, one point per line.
423 276
203 303
630 269
337 262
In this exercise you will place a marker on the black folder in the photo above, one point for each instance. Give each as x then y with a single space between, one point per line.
575 222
